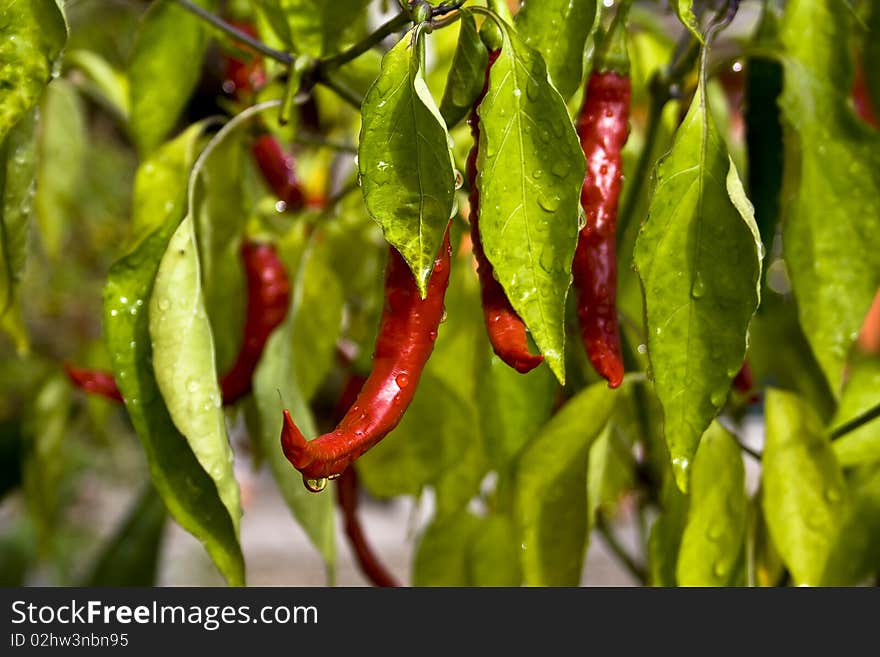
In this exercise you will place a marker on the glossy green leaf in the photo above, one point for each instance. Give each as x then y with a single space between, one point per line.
493 554
530 172
188 492
666 534
804 491
698 255
467 73
163 69
406 169
831 228
131 555
111 83
441 557
558 29
278 373
317 27
183 362
714 537
45 433
685 13
861 394
62 149
220 217
855 556
609 471
32 34
550 504
513 407
17 169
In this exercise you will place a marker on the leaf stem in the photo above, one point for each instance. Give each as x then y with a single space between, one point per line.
623 556
309 139
856 423
350 96
367 43
238 35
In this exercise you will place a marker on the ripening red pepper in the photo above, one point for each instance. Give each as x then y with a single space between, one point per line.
268 297
243 77
862 98
405 341
603 127
279 172
96 382
507 332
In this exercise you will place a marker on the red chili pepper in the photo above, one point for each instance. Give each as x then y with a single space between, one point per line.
243 77
603 127
279 172
405 341
268 291
744 381
862 98
506 330
96 382
268 297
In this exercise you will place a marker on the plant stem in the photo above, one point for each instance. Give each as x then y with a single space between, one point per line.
611 540
238 35
348 95
353 52
309 139
857 422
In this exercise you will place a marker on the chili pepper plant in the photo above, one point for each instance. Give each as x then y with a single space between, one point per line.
553 270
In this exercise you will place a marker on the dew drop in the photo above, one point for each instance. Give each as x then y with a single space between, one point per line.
443 316
192 385
517 92
715 532
537 174
280 206
402 380
698 289
561 168
643 348
315 485
720 569
833 495
549 202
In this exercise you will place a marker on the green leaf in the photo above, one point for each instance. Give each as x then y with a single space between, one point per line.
317 27
856 553
550 504
698 255
466 74
163 69
17 167
666 534
278 373
183 362
861 394
131 556
493 554
111 84
513 408
610 469
441 557
317 324
32 34
188 492
530 172
714 537
804 492
406 169
685 14
62 151
558 29
831 231
45 432
220 215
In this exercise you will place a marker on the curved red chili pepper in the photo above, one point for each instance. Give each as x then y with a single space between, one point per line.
506 330
603 127
405 341
97 382
268 297
279 172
